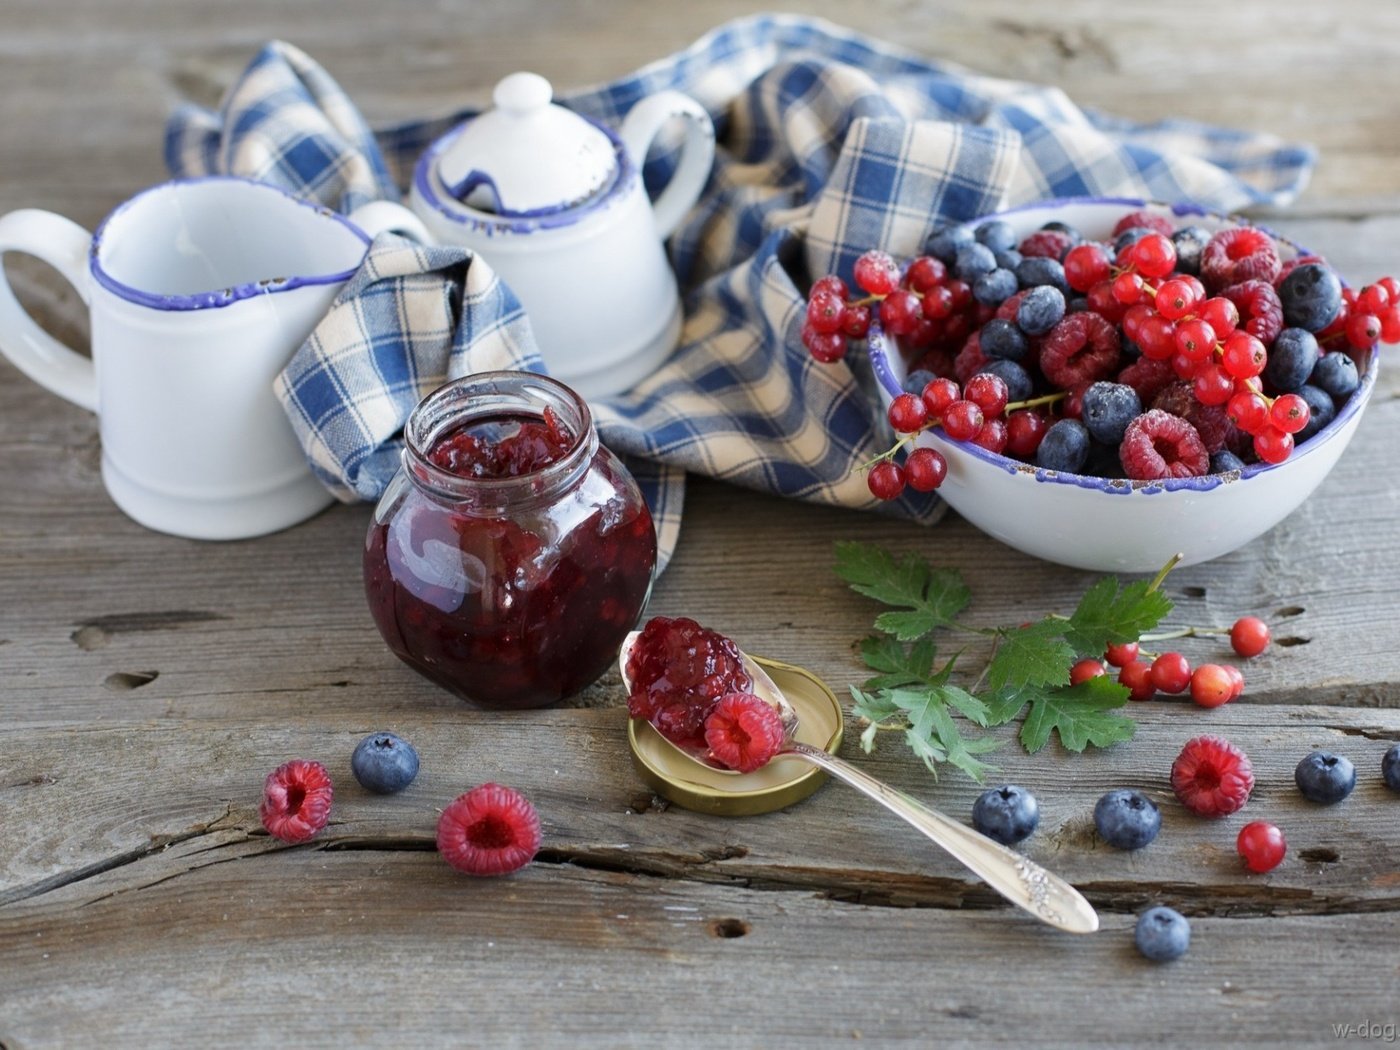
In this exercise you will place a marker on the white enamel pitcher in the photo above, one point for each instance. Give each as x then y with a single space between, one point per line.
199 291
554 202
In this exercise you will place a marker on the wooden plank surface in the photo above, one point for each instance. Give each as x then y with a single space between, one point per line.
149 683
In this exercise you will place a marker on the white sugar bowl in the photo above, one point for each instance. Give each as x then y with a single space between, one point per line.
554 202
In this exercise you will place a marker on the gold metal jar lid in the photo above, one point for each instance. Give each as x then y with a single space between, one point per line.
776 786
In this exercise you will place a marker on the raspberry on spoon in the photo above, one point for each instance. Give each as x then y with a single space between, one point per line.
744 732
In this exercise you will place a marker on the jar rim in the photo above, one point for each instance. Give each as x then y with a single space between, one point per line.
481 394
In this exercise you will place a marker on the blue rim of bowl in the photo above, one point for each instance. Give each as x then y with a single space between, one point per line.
879 363
214 300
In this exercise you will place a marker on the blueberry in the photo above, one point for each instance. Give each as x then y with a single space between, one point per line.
1225 462
973 260
1038 270
1018 381
1312 297
1003 339
1103 461
944 244
1073 234
1390 767
1126 819
1336 373
1108 409
996 235
994 287
384 763
915 381
1162 934
1325 778
1041 309
1291 359
1131 235
1190 241
1065 447
1009 259
1131 351
1322 411
1078 305
1007 814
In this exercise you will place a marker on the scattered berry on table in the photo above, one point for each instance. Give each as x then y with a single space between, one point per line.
1211 685
1171 673
1262 846
1127 819
1212 777
1324 777
1085 669
744 732
1236 677
384 763
1249 636
1137 676
1162 934
1390 767
1007 814
490 830
1121 654
296 802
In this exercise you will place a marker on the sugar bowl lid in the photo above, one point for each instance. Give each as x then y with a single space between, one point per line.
527 156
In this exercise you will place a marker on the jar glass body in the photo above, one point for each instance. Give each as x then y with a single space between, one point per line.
510 592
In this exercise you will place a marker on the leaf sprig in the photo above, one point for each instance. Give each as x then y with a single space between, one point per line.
1028 672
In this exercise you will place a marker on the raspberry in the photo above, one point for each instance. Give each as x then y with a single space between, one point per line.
1261 312
1160 445
491 830
1143 220
970 359
1083 348
678 671
1212 777
744 732
1240 253
296 801
1049 244
1148 377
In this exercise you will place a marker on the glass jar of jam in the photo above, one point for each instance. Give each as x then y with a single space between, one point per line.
512 552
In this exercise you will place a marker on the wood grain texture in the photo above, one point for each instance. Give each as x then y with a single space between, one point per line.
148 683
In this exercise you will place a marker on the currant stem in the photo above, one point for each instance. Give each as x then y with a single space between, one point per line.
1183 632
1162 573
889 453
1036 402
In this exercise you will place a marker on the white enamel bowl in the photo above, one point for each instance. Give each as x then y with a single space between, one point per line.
1115 525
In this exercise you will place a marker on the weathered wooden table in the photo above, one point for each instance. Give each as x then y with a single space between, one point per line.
148 683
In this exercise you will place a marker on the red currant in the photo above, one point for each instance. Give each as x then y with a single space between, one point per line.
1171 673
1137 676
924 273
825 312
1211 685
1085 266
1262 846
1236 680
900 311
925 469
1244 356
1157 337
1195 339
1024 430
938 395
1249 636
825 347
988 392
1212 385
1363 330
1272 445
1085 669
832 285
1390 325
886 480
1121 655
938 303
992 436
1175 299
1290 413
1373 299
877 273
907 414
1127 288
1221 314
1248 411
961 293
962 420
1154 255
856 323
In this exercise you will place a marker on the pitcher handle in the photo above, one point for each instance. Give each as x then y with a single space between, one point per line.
64 245
697 154
377 217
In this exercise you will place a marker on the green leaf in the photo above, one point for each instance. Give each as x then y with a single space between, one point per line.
1036 654
874 706
1081 714
1111 615
972 708
1005 704
928 598
901 666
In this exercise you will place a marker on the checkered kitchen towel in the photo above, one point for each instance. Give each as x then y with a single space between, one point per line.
829 143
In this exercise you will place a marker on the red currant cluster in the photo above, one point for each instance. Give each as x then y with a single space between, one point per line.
1211 685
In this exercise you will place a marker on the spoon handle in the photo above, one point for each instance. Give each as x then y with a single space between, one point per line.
1019 879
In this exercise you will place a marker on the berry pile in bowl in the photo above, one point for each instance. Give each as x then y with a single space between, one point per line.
1104 382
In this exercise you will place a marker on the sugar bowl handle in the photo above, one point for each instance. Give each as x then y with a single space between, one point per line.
643 122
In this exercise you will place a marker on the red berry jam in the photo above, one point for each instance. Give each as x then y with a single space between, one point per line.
512 552
679 671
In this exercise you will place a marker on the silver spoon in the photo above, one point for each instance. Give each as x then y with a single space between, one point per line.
1017 878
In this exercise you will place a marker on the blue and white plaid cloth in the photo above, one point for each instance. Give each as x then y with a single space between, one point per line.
829 143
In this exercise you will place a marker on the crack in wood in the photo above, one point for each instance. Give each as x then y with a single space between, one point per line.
98 631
